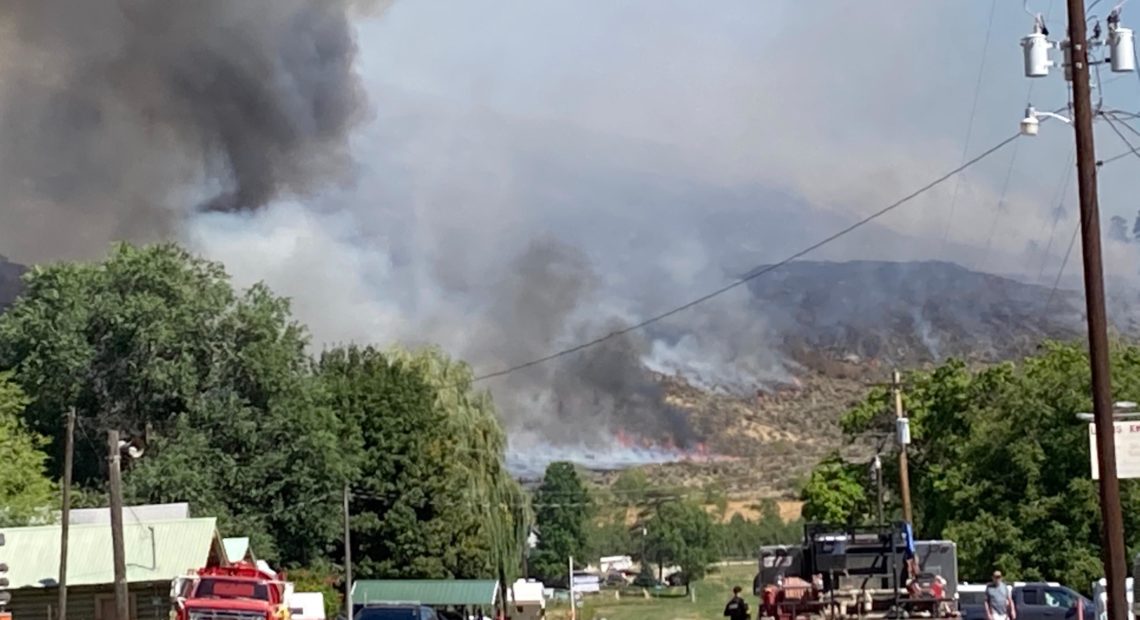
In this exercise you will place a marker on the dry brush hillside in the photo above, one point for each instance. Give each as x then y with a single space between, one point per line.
841 327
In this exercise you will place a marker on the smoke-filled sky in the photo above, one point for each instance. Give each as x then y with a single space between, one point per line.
505 178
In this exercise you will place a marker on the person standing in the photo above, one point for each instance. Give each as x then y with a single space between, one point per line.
736 609
999 600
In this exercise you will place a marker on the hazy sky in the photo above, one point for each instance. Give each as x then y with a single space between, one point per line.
678 137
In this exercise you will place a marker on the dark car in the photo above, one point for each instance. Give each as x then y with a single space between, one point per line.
395 612
1033 601
677 579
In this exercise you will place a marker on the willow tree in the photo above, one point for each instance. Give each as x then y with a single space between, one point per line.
432 498
493 496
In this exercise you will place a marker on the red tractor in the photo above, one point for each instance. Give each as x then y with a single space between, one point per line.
241 591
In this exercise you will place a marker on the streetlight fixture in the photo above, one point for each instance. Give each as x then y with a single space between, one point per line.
1031 124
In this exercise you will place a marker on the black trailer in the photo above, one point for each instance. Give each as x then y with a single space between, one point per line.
863 571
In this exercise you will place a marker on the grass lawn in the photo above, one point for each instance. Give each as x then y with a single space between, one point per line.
672 604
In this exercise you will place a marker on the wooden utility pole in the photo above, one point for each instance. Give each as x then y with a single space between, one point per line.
570 582
904 472
1113 523
347 556
114 476
65 514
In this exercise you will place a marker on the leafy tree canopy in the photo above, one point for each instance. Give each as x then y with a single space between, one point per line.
242 423
998 463
562 511
681 532
25 490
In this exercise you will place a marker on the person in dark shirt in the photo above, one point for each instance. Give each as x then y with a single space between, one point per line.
736 609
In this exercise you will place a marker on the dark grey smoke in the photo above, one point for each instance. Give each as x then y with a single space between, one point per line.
550 297
119 116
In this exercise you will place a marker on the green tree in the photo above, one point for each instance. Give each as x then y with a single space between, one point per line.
154 339
836 492
493 497
25 490
324 579
999 463
610 537
740 538
430 494
681 533
562 513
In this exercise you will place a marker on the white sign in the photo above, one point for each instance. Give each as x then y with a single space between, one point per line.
1127 450
585 582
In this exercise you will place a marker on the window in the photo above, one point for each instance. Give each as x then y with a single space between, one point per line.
232 588
1055 597
1031 596
972 598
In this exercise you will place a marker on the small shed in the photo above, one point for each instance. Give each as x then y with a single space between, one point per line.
470 595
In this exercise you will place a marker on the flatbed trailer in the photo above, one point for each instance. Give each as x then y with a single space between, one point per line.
866 572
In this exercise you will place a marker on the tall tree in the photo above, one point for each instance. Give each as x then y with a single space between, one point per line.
562 512
25 490
1118 229
1000 464
153 337
681 532
835 493
495 498
431 496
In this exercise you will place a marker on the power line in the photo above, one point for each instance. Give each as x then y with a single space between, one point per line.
1060 272
1073 241
1116 157
1000 208
970 124
1120 134
999 211
752 276
1059 201
1123 118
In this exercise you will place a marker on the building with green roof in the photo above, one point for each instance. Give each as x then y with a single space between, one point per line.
156 552
431 592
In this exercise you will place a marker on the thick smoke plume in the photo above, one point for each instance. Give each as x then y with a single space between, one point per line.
551 297
119 116
536 175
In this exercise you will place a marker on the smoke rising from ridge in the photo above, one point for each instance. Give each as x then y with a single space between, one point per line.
119 117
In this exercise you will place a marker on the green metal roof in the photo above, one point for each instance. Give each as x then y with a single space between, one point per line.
155 551
437 592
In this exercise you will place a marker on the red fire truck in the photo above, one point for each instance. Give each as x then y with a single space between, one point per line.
241 591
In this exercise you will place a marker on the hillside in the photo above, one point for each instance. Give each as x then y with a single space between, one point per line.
908 313
841 326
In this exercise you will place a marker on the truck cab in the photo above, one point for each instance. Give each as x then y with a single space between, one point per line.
239 592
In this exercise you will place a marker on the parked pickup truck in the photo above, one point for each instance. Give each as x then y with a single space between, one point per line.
1033 601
